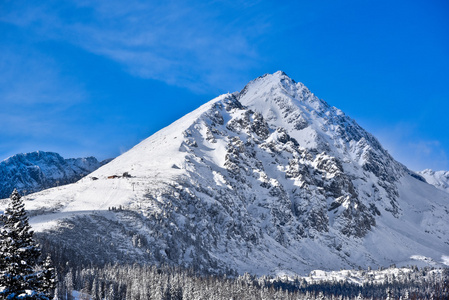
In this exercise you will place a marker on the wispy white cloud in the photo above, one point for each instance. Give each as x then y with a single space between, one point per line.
34 97
428 154
29 78
189 44
412 149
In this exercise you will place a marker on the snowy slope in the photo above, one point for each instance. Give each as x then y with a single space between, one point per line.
35 171
271 180
439 179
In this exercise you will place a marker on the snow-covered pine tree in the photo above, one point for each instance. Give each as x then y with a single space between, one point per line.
48 277
19 253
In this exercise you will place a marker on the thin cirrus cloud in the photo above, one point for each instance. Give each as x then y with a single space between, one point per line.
431 152
189 45
417 153
29 78
35 100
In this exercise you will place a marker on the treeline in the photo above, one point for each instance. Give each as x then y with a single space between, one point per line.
117 282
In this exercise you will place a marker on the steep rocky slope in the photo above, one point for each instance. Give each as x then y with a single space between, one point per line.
269 180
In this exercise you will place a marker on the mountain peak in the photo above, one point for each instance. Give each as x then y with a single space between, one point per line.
258 181
279 82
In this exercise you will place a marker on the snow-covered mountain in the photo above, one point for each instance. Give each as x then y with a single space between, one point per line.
269 180
439 179
35 171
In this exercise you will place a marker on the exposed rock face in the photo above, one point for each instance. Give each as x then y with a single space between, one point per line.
268 180
36 171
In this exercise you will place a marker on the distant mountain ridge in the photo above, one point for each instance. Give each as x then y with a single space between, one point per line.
269 180
439 179
39 170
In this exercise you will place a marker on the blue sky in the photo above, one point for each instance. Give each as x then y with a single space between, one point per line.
97 77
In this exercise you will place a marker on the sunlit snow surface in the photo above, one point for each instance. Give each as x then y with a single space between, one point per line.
439 179
445 260
182 176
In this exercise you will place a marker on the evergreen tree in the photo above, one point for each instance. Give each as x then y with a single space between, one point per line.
19 254
48 277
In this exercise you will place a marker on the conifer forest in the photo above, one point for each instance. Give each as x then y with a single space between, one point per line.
114 282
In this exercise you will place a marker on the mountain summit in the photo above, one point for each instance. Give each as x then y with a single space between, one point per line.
269 180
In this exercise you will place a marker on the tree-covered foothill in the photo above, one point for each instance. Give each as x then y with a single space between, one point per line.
22 274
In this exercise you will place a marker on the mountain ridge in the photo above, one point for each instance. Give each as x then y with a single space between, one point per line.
439 179
38 170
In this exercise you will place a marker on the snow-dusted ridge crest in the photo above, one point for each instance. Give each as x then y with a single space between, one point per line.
35 171
269 180
439 179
